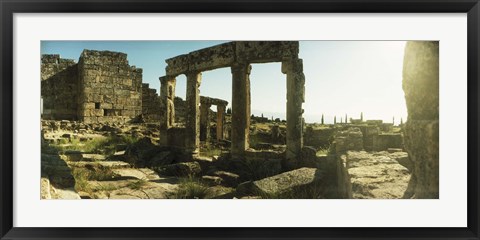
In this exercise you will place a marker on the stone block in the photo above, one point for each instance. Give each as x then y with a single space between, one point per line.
351 139
183 169
298 183
376 175
384 141
105 105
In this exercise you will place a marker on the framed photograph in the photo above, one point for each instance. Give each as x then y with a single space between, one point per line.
239 119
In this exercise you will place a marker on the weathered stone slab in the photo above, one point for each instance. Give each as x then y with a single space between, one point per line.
67 194
301 183
228 178
212 180
131 189
93 157
376 175
129 173
102 164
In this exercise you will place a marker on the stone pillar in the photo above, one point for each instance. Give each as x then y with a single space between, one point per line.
240 109
192 126
421 87
204 121
220 121
295 97
167 116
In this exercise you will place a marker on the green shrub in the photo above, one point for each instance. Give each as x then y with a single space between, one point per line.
191 188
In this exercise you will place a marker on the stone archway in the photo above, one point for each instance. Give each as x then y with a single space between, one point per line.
238 56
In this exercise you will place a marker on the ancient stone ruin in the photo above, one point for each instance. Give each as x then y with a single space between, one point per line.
101 87
151 107
105 135
238 56
205 104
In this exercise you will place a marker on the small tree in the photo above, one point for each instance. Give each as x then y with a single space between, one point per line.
229 111
335 120
322 119
361 117
346 118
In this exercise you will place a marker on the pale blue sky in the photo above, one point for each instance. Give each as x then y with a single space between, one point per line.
341 77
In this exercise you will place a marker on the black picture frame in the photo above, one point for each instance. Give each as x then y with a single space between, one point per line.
9 7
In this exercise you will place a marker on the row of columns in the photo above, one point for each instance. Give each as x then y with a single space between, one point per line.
293 68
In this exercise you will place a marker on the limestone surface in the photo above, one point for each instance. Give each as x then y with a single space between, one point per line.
421 87
376 175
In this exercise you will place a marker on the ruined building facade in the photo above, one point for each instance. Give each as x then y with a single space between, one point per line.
101 87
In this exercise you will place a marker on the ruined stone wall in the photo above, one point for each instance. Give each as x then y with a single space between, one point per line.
384 141
320 138
59 87
179 110
53 64
110 89
151 106
421 87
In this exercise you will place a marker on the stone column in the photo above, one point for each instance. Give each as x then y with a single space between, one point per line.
295 97
204 121
167 116
220 121
192 126
240 109
421 87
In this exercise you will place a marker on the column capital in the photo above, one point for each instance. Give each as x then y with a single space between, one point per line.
166 79
197 75
236 67
221 105
207 105
163 79
292 65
